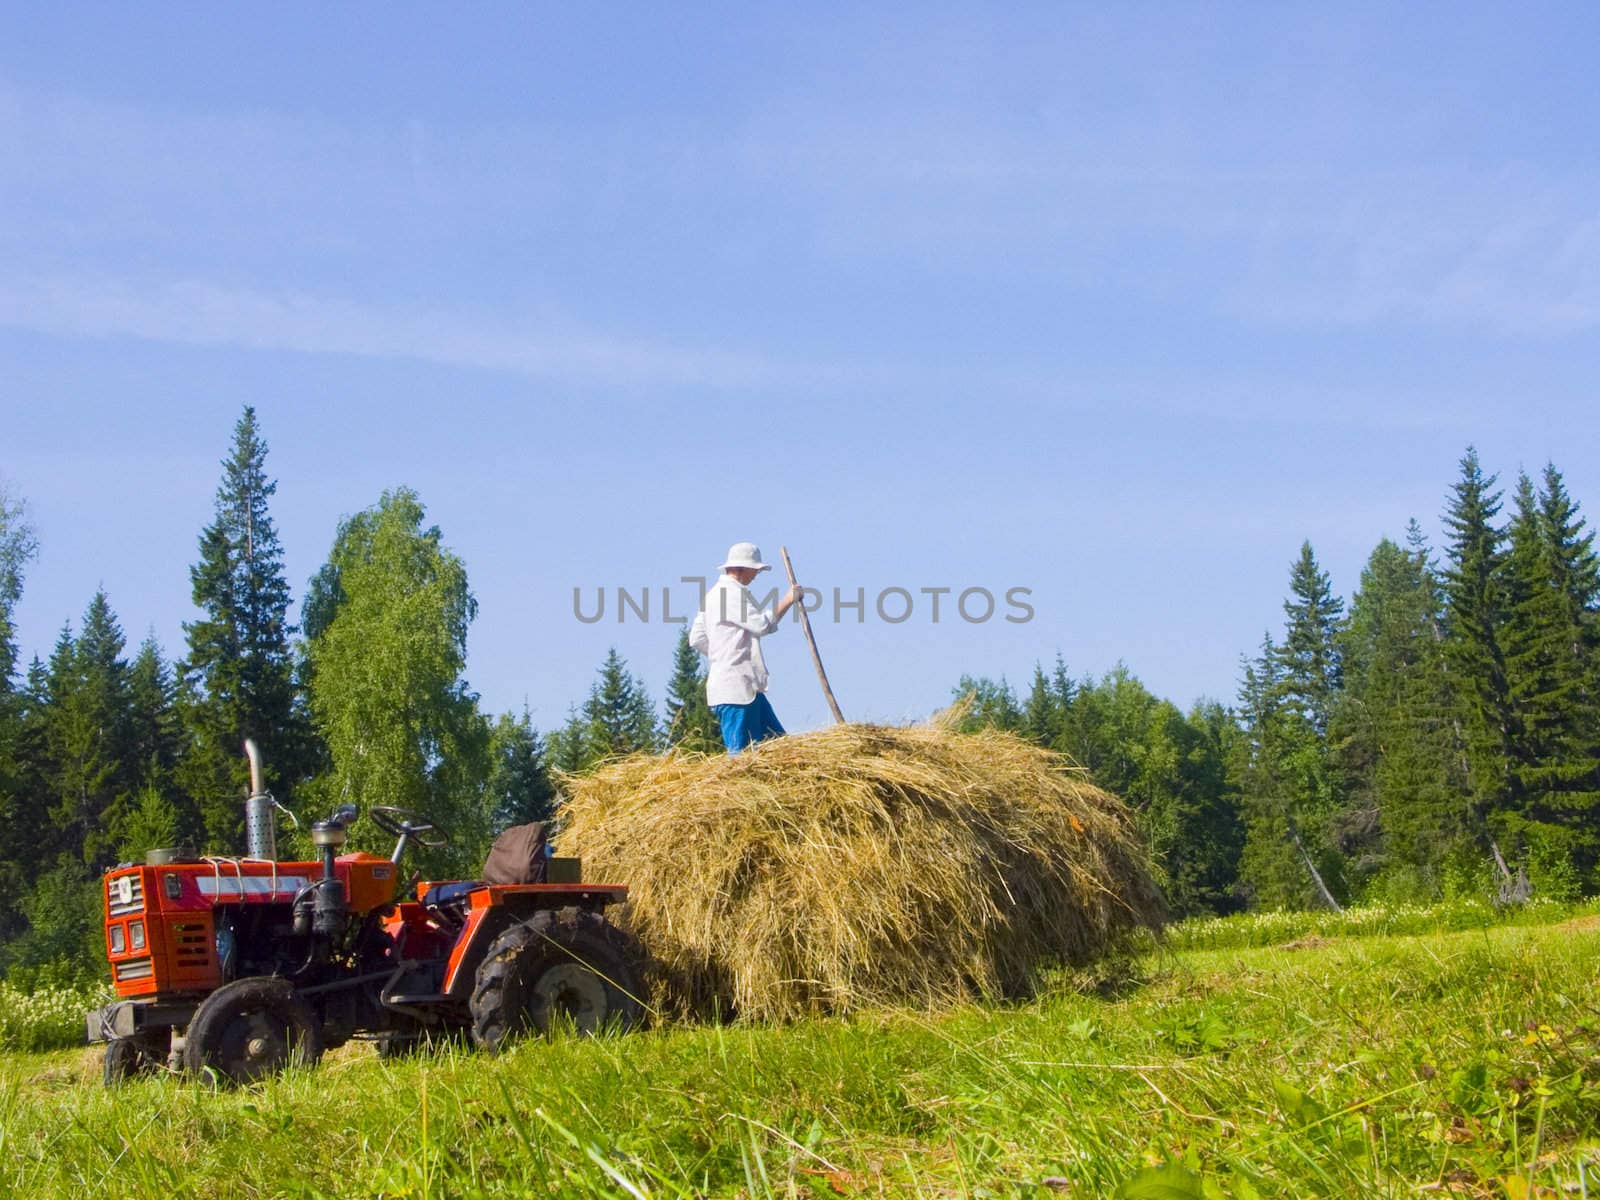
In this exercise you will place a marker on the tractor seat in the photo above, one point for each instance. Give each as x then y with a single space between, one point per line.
447 901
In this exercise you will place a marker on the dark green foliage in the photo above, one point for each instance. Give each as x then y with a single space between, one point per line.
566 748
519 785
89 758
1270 869
18 818
991 704
1392 734
1550 668
1204 862
155 738
1475 606
1172 769
237 679
690 723
64 929
1044 714
618 716
150 822
1295 798
1312 673
17 546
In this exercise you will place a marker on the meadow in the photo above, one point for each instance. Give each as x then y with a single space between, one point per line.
1358 1057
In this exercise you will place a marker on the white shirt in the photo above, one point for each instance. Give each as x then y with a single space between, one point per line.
727 630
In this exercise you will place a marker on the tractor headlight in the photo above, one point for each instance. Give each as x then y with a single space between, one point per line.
136 934
118 943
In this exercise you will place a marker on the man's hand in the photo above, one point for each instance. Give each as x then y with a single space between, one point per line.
796 594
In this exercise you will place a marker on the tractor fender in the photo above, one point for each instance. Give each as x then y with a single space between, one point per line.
498 909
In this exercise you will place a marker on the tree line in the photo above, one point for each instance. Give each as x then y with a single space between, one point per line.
108 751
1440 736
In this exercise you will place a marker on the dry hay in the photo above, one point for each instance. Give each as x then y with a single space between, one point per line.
859 865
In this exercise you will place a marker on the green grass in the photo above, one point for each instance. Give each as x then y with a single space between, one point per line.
1366 920
1462 1063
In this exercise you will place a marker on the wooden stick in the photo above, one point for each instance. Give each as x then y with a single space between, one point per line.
805 624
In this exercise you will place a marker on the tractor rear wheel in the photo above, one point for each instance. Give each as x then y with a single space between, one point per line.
559 966
251 1028
127 1057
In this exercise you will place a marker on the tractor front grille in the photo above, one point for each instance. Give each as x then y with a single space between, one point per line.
125 895
191 944
134 968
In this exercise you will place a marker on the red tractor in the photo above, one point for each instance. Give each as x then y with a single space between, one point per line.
238 967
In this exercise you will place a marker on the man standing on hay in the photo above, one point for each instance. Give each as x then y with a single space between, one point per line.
728 631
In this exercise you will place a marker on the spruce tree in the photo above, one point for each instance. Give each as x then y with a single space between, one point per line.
150 822
87 736
1293 793
156 735
237 679
1574 566
618 716
1392 737
31 795
1475 604
19 811
1319 821
17 546
1269 869
1311 672
989 704
1211 837
1550 682
1045 712
519 786
690 723
1532 639
568 747
155 747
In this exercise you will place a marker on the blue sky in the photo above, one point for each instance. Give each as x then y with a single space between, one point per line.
1116 303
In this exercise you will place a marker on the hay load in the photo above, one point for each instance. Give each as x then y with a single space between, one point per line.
860 865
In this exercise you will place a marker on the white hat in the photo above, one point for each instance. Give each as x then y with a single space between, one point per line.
745 554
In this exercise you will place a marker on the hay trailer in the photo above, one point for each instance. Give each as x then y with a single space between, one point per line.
239 967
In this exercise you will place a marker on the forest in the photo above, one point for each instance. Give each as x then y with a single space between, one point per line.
1436 736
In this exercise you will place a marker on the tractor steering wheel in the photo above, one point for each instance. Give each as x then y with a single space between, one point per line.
408 826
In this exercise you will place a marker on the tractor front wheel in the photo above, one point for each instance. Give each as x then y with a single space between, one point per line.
127 1057
249 1029
559 966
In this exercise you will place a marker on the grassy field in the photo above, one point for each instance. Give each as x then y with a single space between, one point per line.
1457 1063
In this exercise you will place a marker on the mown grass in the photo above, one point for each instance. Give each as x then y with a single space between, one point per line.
1376 919
1462 1063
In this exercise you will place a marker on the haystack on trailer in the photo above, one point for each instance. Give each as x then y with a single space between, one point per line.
862 865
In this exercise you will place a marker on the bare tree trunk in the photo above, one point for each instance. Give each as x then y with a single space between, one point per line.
1499 859
1305 855
1514 889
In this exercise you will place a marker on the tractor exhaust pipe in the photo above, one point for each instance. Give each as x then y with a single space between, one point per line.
260 826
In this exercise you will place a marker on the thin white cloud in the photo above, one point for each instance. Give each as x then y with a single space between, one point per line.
546 346
202 314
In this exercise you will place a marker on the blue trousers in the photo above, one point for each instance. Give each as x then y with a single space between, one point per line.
743 724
